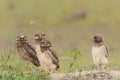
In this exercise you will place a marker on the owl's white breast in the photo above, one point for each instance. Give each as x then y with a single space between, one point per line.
99 54
46 61
44 57
38 51
38 48
98 50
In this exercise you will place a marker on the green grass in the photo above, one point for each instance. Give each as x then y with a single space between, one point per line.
14 68
15 74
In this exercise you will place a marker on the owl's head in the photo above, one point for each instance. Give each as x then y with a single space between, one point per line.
45 43
39 36
97 38
21 40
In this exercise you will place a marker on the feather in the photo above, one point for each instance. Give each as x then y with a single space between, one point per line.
27 52
54 57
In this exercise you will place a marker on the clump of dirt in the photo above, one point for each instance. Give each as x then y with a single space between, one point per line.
97 76
87 75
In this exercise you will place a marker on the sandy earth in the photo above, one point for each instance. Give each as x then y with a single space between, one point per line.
87 75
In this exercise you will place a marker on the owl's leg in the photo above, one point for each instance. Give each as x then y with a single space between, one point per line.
52 68
103 66
46 69
100 67
51 71
40 69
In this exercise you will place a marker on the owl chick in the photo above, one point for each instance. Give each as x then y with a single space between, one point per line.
47 56
99 51
26 51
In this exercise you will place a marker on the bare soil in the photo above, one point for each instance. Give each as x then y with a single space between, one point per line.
87 75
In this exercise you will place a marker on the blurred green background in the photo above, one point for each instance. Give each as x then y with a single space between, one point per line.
56 19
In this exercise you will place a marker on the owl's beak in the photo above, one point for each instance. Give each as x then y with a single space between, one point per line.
22 36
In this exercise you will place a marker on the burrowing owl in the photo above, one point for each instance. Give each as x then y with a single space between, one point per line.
47 56
99 51
26 51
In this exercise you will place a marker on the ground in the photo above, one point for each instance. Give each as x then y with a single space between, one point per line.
87 75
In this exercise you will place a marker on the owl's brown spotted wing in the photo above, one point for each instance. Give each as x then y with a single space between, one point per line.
28 53
55 59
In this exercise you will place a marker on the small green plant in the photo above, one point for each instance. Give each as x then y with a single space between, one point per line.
76 52
22 75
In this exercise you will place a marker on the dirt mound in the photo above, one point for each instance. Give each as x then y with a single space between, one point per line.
87 75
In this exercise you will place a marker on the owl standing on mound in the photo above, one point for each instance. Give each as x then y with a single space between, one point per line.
47 56
26 51
99 51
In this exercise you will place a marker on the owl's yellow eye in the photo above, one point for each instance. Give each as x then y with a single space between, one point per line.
42 36
48 44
